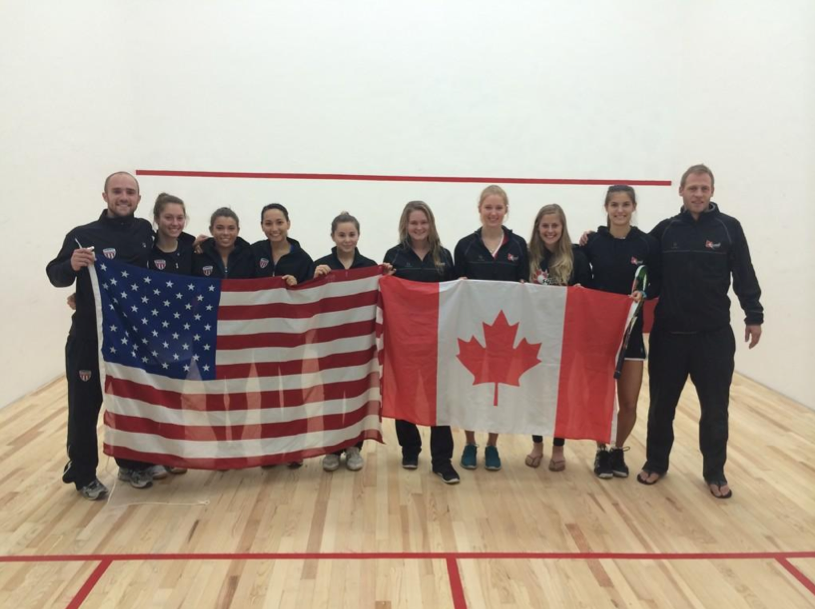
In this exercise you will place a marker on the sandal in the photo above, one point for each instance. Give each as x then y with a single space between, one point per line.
533 460
557 466
719 484
648 473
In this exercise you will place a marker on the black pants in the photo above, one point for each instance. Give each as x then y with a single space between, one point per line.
84 403
708 358
557 441
441 442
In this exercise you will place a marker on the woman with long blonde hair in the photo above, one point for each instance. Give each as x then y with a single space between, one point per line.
554 261
493 253
420 256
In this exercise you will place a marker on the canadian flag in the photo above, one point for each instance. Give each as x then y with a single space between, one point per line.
502 357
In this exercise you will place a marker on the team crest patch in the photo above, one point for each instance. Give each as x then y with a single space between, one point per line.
160 264
207 271
264 262
634 260
85 375
512 258
109 252
712 246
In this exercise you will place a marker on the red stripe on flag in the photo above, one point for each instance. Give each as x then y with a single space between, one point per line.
411 323
265 283
297 311
236 462
295 367
239 401
594 324
223 433
289 339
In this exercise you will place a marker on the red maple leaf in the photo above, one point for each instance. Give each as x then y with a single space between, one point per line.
499 361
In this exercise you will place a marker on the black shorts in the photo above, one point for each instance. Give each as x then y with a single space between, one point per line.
636 344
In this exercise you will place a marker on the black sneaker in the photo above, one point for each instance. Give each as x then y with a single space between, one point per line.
618 466
602 464
68 474
448 474
410 462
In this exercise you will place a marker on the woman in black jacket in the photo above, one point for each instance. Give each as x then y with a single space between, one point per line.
554 261
494 253
344 256
225 255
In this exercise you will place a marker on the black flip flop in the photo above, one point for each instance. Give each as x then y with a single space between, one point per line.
719 485
645 482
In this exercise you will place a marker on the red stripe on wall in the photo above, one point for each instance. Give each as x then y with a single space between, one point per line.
224 433
412 328
288 339
239 401
304 310
393 178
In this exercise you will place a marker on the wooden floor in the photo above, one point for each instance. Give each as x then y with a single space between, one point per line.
386 537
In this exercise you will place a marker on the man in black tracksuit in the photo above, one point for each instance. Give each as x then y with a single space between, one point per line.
700 248
117 234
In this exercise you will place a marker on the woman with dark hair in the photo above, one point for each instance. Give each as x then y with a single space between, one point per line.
493 253
615 252
553 261
225 255
279 255
344 256
420 256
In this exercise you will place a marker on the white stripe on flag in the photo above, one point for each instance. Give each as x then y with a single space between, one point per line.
293 325
286 354
245 385
306 295
254 416
241 448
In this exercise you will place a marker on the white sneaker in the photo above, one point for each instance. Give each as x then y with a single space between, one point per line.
331 462
353 460
158 472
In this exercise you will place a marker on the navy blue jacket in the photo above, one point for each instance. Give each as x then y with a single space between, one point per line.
333 262
698 259
510 263
614 261
296 263
409 266
239 265
128 239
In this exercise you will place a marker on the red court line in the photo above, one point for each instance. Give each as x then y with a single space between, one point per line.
413 556
456 587
86 588
805 581
392 178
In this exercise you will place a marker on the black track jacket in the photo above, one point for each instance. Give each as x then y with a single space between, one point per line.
698 258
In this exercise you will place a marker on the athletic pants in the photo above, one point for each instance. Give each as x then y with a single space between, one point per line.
84 402
708 358
441 442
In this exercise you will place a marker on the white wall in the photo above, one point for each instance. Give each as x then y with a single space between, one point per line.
602 89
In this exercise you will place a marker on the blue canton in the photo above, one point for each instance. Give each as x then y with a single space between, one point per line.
164 324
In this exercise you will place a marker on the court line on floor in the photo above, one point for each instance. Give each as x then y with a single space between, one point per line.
451 560
793 570
393 178
89 584
412 556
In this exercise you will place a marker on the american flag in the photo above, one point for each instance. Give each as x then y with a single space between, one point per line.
221 374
